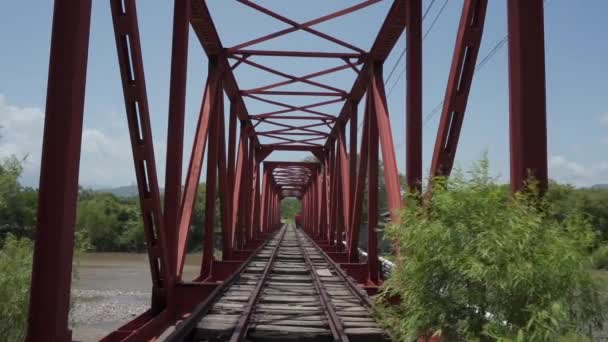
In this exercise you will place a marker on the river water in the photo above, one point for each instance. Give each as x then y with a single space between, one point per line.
111 289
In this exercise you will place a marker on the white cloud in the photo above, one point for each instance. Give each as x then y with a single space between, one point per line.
105 160
565 170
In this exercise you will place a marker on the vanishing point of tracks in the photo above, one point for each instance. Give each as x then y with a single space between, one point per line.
289 291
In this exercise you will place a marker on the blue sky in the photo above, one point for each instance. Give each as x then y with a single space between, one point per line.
577 81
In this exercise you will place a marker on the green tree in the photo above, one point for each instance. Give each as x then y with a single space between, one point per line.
289 208
17 204
478 265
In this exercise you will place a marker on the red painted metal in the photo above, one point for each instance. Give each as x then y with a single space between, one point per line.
306 24
372 195
355 219
300 26
391 174
175 129
413 98
128 46
210 191
52 265
275 113
527 97
196 162
291 78
303 54
331 191
468 41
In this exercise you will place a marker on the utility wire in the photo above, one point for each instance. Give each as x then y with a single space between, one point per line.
426 12
478 67
390 74
403 53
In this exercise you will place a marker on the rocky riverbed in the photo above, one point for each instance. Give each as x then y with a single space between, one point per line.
110 290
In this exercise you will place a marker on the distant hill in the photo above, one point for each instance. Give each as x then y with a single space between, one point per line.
121 191
600 186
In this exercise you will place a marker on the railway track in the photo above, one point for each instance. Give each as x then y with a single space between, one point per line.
289 291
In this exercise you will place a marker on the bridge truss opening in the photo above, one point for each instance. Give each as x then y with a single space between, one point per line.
236 144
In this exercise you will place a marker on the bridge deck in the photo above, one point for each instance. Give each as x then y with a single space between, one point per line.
289 291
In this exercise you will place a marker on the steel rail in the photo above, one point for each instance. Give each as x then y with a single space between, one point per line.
183 329
335 325
351 284
240 330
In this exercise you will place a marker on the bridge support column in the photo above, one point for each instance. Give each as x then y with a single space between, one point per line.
413 98
527 98
58 192
175 128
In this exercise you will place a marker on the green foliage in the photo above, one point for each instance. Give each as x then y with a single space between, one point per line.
477 265
110 223
289 208
593 203
15 275
600 257
17 204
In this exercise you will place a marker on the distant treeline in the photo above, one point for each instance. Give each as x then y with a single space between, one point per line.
107 222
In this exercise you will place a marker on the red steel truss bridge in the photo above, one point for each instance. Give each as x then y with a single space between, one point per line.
272 281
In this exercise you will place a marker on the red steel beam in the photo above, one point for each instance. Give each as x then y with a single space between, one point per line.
304 54
309 23
291 78
282 111
204 28
300 26
212 87
128 46
391 174
210 191
355 217
466 49
387 37
293 108
527 94
413 97
293 93
175 128
352 155
372 197
57 197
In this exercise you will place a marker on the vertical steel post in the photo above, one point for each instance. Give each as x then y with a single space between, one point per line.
527 97
352 155
264 205
175 128
345 184
58 192
372 200
212 156
196 161
223 181
413 125
355 218
391 174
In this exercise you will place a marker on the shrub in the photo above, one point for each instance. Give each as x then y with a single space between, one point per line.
478 265
15 276
600 257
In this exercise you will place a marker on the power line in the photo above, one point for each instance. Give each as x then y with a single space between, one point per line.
390 74
478 67
403 53
426 12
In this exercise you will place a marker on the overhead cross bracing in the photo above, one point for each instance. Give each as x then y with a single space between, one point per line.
289 109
